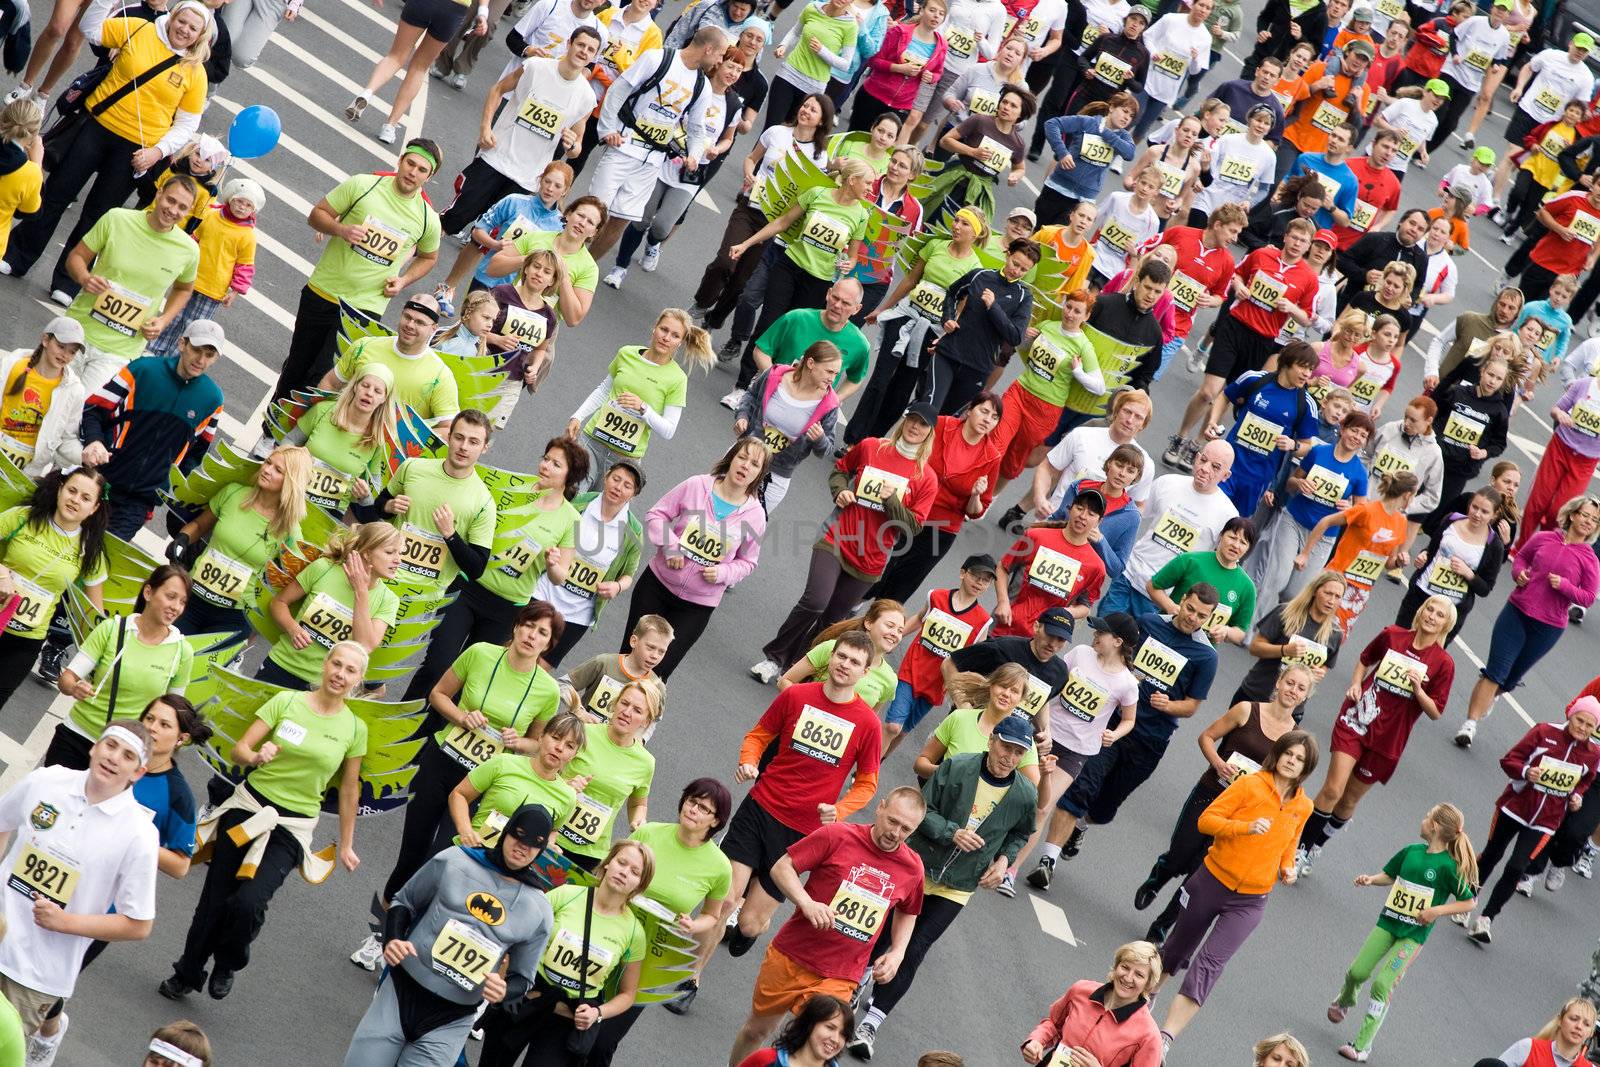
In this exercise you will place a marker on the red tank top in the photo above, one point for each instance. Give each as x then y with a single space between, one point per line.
1542 1054
944 630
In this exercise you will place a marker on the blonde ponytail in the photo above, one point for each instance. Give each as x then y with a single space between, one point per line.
1452 830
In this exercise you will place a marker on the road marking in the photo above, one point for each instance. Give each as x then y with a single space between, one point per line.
293 146
315 110
1507 697
1052 920
352 43
367 13
1029 183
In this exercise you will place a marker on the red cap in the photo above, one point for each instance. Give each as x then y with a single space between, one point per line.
1326 237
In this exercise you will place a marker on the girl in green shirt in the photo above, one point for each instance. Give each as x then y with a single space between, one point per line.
643 393
56 540
348 438
885 623
875 148
616 770
243 528
532 774
967 728
124 663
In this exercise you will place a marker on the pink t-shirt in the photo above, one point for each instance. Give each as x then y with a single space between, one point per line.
1092 695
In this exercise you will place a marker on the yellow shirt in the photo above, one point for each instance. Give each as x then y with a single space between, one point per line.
145 115
24 401
224 246
19 192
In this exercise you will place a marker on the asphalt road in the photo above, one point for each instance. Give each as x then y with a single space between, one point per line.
991 977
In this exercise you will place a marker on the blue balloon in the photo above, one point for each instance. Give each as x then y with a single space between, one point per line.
254 132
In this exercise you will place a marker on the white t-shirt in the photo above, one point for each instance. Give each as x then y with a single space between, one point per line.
112 846
1100 17
1082 454
1047 17
1441 276
716 118
672 105
1478 46
979 24
1121 231
777 142
596 543
1416 126
548 25
1481 184
622 41
1177 50
1239 172
1089 687
1556 80
528 131
1176 520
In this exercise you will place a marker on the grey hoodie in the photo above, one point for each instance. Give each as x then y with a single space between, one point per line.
1426 459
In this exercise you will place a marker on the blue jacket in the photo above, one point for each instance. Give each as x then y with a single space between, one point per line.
1065 134
149 419
1118 530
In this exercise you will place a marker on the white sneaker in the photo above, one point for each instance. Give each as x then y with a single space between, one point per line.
5 268
1305 859
42 1050
369 955
1479 930
62 297
456 81
354 109
1575 614
1525 885
766 672
731 401
1555 878
389 132
1193 359
651 258
615 275
21 92
1465 735
1461 918
1584 868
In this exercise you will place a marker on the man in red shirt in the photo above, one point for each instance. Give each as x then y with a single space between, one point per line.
821 731
1271 286
858 874
1060 568
1377 191
1570 244
1204 264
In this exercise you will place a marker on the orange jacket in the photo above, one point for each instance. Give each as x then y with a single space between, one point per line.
1242 861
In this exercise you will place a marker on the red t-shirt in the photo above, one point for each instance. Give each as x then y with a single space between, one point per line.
819 743
956 467
1382 716
1557 254
862 532
1262 271
944 630
1054 572
860 882
1376 187
1210 267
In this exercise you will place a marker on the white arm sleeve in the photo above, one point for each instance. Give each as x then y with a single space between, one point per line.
592 402
184 126
664 424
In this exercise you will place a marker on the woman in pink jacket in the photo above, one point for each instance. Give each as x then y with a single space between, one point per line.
707 532
911 56
1105 1024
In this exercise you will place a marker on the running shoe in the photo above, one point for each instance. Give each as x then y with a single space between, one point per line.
175 988
1575 614
456 81
355 109
732 399
1466 141
766 672
1499 217
42 1050
739 942
614 277
1008 885
435 72
730 350
221 984
1461 918
1074 842
1191 449
1173 456
1479 930
1508 239
5 268
651 258
369 955
1305 859
62 297
1195 358
687 990
1465 735
1147 892
21 92
860 1045
388 133
51 660
1350 1052
1337 1012
1584 868
1040 876
1555 878
1011 520
1525 885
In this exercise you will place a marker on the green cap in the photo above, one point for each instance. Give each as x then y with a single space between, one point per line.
1582 40
1509 5
1484 155
1438 87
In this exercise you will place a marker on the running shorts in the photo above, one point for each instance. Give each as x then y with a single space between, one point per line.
441 19
757 840
782 985
624 183
1371 767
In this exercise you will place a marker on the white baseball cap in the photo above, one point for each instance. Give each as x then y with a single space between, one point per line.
205 332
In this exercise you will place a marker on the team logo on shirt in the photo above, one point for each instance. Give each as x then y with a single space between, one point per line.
486 908
44 816
1429 875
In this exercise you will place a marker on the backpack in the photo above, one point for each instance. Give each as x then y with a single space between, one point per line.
629 118
1302 404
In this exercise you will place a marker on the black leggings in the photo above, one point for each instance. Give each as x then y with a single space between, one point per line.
1186 848
891 387
538 1031
1570 837
950 386
724 278
689 621
17 654
428 829
482 186
569 640
783 99
830 593
311 347
789 286
96 154
475 615
68 748
1524 843
937 915
911 563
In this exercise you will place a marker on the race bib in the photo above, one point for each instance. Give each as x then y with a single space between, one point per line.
290 732
1390 462
463 955
327 621
1045 358
874 487
1083 699
1365 390
1237 171
1114 234
995 156
1446 582
1315 654
1328 116
1035 695
1463 429
1172 180
1361 218
775 439
539 118
943 633
1095 149
1174 532
1054 572
471 746
45 872
327 487
1232 125
1221 615
821 735
857 911
1324 486
422 552
383 244
120 308
1266 290
1586 418
1391 9
563 961
927 300
1244 763
588 821
1478 61
1553 145
1111 70
525 327
220 579
1366 567
1557 777
32 601
1159 663
1585 227
983 102
827 233
704 544
1548 101
651 135
606 691
1091 34
618 428
1186 292
1174 67
517 559
1394 672
16 451
1258 434
1406 901
583 578
961 43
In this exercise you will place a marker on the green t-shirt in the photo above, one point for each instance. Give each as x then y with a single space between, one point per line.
835 34
617 775
425 557
395 226
614 942
685 877
421 381
581 267
659 385
311 750
1047 366
858 150
241 545
875 687
506 696
141 265
337 456
1425 871
1237 603
327 613
795 331
147 671
13 1042
513 574
507 782
43 563
959 733
827 230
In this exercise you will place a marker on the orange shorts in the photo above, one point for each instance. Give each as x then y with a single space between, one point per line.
782 985
1024 426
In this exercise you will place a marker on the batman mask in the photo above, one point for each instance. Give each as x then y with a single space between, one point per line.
531 826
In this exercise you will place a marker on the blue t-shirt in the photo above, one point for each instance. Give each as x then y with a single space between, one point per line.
721 509
502 216
1256 458
1163 647
1305 506
1344 199
168 796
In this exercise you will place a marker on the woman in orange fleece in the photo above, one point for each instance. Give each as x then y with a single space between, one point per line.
1255 825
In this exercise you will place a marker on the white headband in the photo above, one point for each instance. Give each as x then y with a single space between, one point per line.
129 738
172 1052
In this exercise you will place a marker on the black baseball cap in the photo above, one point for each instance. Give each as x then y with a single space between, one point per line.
1057 622
1093 499
982 563
924 411
1118 624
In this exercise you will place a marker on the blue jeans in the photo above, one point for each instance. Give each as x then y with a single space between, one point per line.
1123 597
1516 644
906 709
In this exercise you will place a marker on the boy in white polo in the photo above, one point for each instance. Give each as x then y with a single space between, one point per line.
77 845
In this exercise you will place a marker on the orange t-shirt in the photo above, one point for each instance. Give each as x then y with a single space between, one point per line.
1370 537
1459 233
1075 259
1321 112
